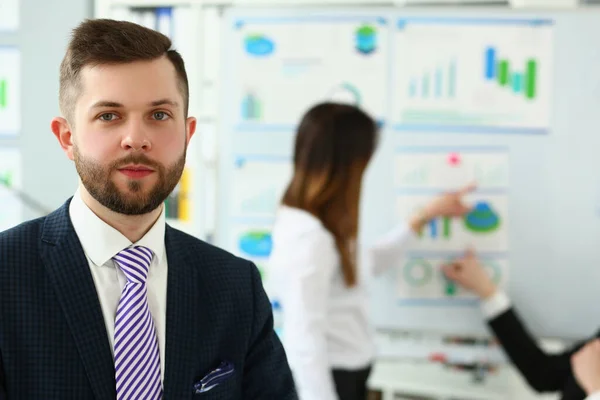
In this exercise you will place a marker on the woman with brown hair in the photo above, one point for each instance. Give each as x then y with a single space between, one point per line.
314 260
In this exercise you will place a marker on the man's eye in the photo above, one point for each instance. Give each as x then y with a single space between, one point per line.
160 116
108 117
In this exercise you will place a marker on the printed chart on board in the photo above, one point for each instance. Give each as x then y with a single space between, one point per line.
283 66
258 186
259 183
9 91
10 178
469 74
421 172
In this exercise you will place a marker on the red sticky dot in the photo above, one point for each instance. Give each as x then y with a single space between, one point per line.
453 159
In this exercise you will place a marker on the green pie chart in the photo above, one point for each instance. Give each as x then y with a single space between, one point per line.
418 272
482 219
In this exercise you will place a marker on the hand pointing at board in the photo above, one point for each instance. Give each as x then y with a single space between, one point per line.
468 272
575 372
450 204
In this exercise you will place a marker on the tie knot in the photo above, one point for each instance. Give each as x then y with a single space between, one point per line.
135 263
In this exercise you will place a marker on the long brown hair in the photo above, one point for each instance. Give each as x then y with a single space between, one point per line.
334 144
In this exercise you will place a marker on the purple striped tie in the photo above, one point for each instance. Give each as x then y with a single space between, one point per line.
137 360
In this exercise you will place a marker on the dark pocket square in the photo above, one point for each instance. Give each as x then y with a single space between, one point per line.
224 371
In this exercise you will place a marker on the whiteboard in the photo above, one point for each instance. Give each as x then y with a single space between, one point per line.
508 98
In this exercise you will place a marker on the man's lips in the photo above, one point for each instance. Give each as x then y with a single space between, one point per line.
136 171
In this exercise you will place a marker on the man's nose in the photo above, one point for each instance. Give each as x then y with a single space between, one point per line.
136 138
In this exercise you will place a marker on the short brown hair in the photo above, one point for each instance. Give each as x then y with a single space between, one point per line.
106 41
334 144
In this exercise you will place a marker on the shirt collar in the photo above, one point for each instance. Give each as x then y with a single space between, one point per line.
101 242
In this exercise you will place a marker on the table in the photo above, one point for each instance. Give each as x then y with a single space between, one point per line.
432 380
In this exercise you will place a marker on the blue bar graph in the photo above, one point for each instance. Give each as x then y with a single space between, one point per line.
433 228
517 82
508 75
438 83
490 63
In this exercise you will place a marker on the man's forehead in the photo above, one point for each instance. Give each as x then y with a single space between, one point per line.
161 66
126 86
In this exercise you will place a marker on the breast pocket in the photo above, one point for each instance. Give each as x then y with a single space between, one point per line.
220 383
228 390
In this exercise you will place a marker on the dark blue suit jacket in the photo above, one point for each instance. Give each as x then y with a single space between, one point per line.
53 341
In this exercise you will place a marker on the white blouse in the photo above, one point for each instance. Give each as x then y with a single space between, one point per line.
326 324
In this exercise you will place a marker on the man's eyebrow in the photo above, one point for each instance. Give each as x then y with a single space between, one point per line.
104 103
113 104
163 102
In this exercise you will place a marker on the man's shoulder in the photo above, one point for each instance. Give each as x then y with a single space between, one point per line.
26 234
19 246
29 233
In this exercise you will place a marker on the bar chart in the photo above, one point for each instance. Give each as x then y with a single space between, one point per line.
485 227
437 82
438 228
470 75
500 70
251 107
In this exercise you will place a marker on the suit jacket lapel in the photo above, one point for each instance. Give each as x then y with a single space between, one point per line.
190 316
69 271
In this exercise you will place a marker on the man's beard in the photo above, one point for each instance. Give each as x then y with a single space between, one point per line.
96 178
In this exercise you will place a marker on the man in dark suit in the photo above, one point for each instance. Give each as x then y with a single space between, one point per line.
575 373
101 299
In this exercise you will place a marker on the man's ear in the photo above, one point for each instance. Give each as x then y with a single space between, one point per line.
190 128
62 130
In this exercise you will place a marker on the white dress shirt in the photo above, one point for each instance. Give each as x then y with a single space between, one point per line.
325 324
100 243
498 304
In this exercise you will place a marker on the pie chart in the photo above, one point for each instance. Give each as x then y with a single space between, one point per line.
418 272
256 243
482 219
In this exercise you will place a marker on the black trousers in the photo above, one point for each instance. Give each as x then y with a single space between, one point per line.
351 384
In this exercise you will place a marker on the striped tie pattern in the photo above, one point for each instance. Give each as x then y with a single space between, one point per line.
137 359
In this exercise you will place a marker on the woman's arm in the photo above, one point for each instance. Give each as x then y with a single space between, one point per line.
389 249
